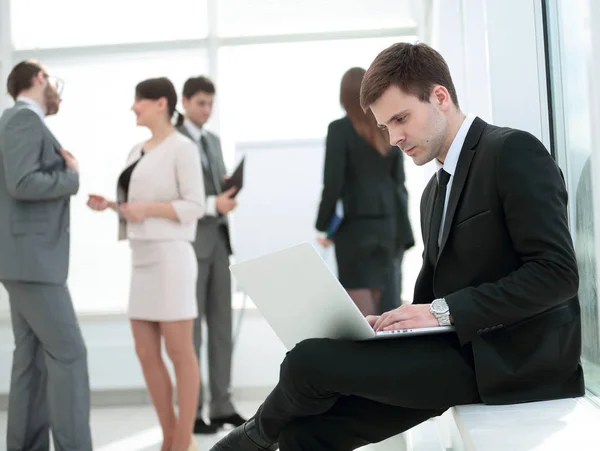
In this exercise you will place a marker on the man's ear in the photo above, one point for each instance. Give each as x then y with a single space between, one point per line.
440 95
40 78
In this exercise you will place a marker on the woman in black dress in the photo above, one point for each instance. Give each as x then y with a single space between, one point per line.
367 175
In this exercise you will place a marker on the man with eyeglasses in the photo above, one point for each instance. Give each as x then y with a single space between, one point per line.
49 384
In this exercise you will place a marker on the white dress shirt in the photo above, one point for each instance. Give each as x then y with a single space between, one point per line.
450 163
33 105
196 133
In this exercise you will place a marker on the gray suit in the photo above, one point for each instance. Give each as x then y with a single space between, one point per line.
49 383
213 290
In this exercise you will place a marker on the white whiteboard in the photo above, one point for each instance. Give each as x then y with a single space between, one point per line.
278 204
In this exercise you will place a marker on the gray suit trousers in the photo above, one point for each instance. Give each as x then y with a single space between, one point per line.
213 293
49 387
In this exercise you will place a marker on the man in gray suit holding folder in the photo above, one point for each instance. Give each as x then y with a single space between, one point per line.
49 384
213 248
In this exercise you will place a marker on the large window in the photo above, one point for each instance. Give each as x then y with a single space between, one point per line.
76 23
288 90
570 44
278 64
270 17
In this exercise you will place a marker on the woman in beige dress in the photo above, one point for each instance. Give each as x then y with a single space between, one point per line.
160 196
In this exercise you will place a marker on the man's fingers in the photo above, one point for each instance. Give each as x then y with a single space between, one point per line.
384 320
388 320
395 316
372 319
380 320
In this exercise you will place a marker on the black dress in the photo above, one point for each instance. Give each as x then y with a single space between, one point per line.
371 186
125 177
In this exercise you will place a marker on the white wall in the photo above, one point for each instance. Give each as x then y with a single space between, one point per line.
495 53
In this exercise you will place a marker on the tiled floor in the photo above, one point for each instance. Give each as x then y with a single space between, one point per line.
135 429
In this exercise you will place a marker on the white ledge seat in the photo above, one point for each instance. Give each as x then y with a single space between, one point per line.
561 425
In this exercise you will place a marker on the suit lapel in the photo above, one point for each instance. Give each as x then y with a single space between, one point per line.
209 152
47 132
460 175
52 138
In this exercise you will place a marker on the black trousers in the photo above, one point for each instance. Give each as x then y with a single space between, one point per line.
341 395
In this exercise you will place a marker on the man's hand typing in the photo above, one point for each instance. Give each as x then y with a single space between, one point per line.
409 316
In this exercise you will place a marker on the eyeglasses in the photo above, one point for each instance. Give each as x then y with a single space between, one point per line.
58 83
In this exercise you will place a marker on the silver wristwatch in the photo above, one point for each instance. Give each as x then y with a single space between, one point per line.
440 310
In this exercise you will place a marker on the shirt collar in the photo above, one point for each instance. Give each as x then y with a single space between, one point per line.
195 132
32 105
455 148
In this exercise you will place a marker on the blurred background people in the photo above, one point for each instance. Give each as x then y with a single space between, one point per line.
160 196
213 248
366 174
49 381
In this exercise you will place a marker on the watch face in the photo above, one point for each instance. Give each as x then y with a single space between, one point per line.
438 306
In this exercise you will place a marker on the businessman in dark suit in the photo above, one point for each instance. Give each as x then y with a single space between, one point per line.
498 264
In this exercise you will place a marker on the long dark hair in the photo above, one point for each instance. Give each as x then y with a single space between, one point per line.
364 122
157 88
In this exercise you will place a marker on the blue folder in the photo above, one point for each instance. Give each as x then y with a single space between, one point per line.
336 220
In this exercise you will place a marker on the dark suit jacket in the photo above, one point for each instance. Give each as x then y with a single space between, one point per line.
375 228
369 184
507 268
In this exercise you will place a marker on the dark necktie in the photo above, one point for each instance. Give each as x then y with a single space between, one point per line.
204 151
207 163
436 218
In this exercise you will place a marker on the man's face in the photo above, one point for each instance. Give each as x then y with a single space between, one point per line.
53 100
52 97
418 128
198 108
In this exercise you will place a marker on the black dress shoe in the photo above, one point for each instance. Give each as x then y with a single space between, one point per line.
200 427
244 438
234 420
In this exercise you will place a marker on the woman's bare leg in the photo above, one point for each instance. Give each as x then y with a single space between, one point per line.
180 348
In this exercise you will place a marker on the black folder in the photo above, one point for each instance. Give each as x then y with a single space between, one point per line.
236 179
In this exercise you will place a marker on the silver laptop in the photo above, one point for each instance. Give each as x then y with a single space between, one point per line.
301 298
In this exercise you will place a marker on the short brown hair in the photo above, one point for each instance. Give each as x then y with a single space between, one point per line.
21 77
414 68
195 85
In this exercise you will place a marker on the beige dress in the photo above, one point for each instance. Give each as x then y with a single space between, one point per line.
164 266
